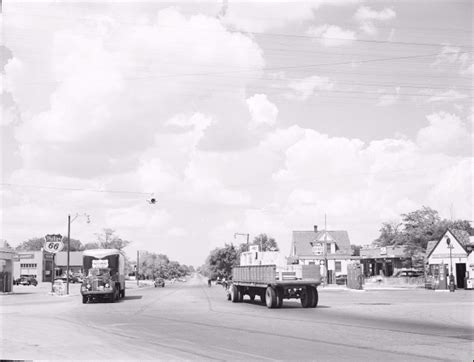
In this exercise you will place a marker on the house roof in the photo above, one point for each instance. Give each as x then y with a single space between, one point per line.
303 241
430 247
386 252
461 236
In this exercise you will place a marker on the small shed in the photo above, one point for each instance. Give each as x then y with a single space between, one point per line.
449 255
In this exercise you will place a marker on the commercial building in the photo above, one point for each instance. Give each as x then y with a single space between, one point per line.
39 264
383 260
331 249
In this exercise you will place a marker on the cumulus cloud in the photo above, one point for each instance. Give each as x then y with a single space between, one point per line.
331 35
275 14
307 87
262 111
368 18
446 133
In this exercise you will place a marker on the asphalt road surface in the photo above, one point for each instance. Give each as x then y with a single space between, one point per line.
191 321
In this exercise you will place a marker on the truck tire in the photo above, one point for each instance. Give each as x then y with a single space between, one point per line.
84 299
270 297
122 293
240 294
234 294
306 297
262 298
314 297
279 295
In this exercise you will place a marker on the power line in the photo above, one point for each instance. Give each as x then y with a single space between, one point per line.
75 189
268 34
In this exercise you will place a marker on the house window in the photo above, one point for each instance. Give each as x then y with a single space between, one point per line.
338 266
328 248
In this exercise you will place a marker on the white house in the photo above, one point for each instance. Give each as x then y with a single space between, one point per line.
450 254
320 247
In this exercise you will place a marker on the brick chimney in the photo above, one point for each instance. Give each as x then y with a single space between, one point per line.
315 228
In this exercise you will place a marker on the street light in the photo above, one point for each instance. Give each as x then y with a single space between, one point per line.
69 221
243 234
451 276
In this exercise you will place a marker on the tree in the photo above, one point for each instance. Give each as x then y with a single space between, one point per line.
265 242
92 245
33 244
4 244
75 244
220 261
110 241
389 234
417 228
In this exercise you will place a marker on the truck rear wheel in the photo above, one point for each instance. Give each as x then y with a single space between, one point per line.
270 297
306 297
262 298
84 299
240 294
234 294
279 295
314 297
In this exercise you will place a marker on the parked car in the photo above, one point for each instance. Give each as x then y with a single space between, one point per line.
159 282
26 281
77 279
64 278
341 279
404 273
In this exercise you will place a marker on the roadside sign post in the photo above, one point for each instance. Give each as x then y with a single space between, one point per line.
53 244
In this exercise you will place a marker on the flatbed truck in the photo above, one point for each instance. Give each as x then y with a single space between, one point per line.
272 284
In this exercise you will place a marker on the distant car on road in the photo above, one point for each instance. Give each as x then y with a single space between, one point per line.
26 281
159 282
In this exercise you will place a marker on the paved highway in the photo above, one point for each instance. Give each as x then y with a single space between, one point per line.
192 321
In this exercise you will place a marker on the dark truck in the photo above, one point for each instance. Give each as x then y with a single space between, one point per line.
272 283
104 275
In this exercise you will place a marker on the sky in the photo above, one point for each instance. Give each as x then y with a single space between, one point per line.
237 116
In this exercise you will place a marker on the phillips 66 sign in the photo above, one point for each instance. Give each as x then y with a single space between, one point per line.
53 243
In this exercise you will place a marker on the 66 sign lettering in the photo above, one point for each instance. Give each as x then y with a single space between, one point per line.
53 243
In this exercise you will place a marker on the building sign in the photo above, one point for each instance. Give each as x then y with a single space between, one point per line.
100 264
253 248
26 256
318 249
53 243
383 250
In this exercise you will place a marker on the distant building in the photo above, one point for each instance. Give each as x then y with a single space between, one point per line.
321 247
39 264
7 256
383 260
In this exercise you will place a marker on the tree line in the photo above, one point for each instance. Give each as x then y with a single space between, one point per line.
221 260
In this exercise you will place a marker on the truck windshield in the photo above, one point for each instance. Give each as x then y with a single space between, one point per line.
95 272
